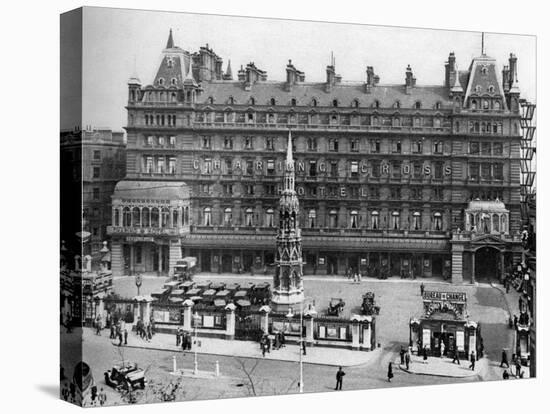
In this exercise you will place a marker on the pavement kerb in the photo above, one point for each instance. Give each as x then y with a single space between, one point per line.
155 348
481 372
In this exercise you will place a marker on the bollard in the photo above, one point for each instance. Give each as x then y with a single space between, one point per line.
174 364
217 369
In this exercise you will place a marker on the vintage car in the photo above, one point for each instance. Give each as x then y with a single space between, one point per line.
260 294
368 307
335 306
125 376
185 268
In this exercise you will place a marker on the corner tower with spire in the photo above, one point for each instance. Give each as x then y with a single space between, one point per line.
288 288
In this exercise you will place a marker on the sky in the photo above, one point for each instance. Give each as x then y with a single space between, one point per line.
118 43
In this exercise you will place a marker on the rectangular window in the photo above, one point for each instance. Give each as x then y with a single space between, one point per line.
313 168
438 170
474 171
374 192
95 193
160 165
311 144
96 172
474 148
375 146
395 193
416 193
161 140
249 189
334 169
354 145
497 171
485 171
149 165
207 166
206 141
172 165
97 155
376 169
333 145
354 169
354 191
485 148
417 147
437 194
249 167
172 141
248 143
417 170
270 189
228 189
396 147
228 166
497 148
270 167
150 140
396 169
228 143
332 191
438 147
269 143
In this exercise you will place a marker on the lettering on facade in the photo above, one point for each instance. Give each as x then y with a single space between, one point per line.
444 296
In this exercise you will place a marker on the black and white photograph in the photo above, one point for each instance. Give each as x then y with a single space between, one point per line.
318 207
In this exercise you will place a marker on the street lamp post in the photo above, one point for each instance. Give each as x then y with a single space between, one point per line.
290 315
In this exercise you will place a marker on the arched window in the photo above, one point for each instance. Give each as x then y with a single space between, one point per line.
145 217
269 221
210 100
161 81
437 221
164 217
396 121
503 224
416 224
293 102
175 217
374 216
353 219
312 218
335 102
395 220
272 101
169 62
173 81
496 105
484 70
136 221
438 105
478 88
485 104
397 105
355 103
252 101
173 97
491 89
473 104
377 104
227 217
126 217
333 219
249 216
314 102
496 223
207 220
155 217
417 105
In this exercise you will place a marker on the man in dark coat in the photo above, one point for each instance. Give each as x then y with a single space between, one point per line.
407 359
472 361
339 377
518 368
504 359
304 346
402 356
422 289
125 336
178 337
425 353
390 372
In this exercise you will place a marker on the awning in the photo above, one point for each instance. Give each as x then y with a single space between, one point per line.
243 302
219 302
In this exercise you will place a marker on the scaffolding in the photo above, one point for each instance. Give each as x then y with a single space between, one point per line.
527 159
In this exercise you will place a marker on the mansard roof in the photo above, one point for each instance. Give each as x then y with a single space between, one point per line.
151 190
345 93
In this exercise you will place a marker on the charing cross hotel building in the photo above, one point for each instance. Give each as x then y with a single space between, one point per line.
402 179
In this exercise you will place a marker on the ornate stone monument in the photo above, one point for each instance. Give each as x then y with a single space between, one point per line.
288 288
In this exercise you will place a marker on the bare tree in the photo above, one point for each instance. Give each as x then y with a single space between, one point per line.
261 386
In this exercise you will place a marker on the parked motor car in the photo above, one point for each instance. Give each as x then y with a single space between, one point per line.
335 306
125 376
368 307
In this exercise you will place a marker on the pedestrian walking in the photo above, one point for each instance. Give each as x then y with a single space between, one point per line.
422 289
98 325
304 346
504 359
125 336
407 360
339 379
119 338
402 356
472 361
277 341
390 372
112 335
264 348
455 357
425 354
442 349
178 337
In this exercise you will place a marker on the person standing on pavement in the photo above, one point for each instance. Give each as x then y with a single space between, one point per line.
339 378
504 359
425 354
422 289
518 368
402 356
178 337
407 360
125 336
390 372
304 346
472 361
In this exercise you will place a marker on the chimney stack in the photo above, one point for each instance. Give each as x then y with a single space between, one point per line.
293 76
372 79
410 80
449 68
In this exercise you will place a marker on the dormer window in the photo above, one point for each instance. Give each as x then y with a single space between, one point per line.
355 103
485 104
173 81
478 89
252 101
314 102
417 105
473 105
210 100
438 105
169 62
231 100
491 89
293 102
397 105
484 70
335 102
272 101
161 81
377 104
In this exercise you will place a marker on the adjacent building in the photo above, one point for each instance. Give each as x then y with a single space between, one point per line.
406 179
94 159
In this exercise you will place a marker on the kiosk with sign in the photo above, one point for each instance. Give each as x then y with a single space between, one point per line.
444 327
